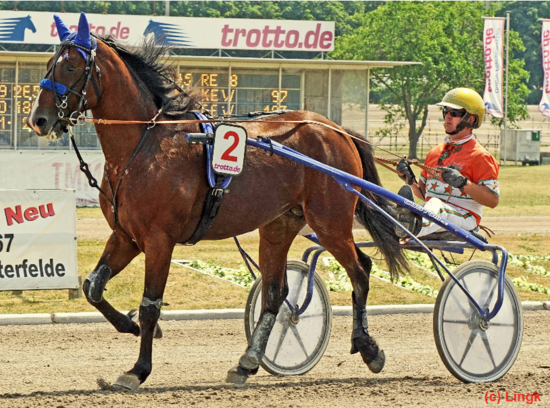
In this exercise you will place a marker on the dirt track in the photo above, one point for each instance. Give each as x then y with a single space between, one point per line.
58 365
98 229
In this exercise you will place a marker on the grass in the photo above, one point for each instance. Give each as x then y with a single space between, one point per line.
524 191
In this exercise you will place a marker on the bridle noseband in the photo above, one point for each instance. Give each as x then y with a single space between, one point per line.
62 92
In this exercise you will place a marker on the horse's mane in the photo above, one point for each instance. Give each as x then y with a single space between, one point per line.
145 63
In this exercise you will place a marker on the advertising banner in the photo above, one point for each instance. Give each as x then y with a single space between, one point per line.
544 105
33 27
38 240
52 171
493 46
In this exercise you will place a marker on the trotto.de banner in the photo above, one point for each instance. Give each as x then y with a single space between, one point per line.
544 105
187 32
38 240
493 45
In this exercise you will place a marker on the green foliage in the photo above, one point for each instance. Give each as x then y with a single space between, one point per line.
533 287
240 276
423 261
524 19
526 262
339 280
446 37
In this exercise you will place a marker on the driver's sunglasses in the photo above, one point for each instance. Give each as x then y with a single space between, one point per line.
455 113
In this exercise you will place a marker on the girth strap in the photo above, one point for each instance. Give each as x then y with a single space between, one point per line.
209 212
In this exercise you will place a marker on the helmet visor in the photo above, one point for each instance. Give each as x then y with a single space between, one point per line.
449 105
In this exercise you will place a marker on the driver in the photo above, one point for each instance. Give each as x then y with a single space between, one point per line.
468 172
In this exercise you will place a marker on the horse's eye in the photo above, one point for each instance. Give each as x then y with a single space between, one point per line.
70 68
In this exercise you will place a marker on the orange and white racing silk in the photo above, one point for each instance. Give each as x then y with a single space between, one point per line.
473 161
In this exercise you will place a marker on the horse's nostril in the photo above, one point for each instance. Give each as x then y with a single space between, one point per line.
41 122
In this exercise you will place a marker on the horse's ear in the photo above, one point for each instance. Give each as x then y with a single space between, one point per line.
83 35
62 29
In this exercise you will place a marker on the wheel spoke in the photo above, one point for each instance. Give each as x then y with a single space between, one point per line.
490 297
294 301
465 285
282 337
503 324
296 333
485 289
464 312
473 336
487 346
468 291
308 316
456 321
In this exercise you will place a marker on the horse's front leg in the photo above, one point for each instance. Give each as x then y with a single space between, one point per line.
158 254
117 254
275 241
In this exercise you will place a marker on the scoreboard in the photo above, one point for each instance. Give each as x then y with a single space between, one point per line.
223 92
243 91
16 101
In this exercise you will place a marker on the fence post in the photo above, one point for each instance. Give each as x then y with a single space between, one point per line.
76 293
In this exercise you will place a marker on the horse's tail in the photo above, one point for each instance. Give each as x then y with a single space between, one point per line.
381 229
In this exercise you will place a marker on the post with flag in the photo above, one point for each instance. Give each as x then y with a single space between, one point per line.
493 46
544 105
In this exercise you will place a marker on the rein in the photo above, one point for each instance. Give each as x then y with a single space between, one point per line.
383 162
77 117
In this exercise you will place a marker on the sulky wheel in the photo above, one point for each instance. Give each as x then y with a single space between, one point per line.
296 344
474 350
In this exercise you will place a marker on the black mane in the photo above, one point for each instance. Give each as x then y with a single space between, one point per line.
145 63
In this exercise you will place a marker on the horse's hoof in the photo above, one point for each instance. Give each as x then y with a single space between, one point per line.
237 376
250 360
378 363
157 333
126 382
133 315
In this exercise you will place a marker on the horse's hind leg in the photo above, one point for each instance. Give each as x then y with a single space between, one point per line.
117 254
335 234
275 241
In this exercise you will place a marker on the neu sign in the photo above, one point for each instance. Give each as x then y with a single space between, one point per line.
38 240
30 214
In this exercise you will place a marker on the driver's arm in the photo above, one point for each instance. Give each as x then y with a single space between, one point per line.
482 194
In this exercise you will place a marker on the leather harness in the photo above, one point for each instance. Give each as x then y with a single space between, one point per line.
218 185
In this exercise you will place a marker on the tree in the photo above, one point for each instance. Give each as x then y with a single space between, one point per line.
524 18
446 37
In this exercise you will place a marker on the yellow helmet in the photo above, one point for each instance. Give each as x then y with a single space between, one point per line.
464 98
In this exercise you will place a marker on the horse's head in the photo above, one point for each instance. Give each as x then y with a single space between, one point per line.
151 28
29 24
63 95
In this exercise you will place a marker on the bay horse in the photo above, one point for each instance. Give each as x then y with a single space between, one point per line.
154 185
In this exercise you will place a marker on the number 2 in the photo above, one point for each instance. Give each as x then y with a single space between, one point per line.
227 154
